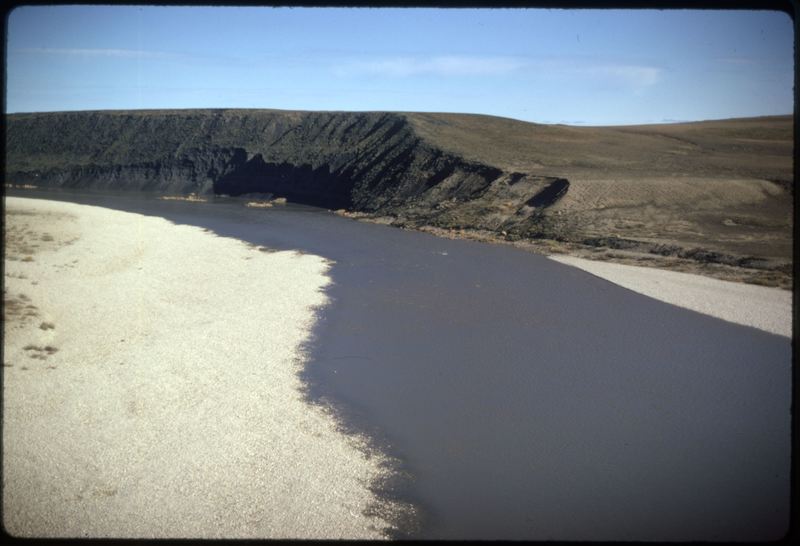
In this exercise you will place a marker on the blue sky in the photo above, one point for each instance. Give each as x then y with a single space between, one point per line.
592 67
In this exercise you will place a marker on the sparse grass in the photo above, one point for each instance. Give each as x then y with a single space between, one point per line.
19 212
40 353
17 308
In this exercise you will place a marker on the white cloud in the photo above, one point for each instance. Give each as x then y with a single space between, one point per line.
622 75
450 65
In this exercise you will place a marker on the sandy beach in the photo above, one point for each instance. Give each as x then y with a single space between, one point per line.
769 309
150 385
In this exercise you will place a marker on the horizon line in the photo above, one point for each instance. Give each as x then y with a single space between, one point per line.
565 123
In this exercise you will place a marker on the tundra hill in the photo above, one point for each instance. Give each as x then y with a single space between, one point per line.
717 193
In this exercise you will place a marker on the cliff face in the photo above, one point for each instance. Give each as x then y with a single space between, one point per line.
367 162
716 191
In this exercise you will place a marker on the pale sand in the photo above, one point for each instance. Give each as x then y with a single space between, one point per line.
768 309
171 407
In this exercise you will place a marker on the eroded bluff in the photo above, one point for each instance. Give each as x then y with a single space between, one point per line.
365 162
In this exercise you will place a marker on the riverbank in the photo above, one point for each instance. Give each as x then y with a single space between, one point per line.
774 275
765 308
151 388
612 416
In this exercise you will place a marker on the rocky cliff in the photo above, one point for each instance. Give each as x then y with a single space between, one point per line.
724 186
369 162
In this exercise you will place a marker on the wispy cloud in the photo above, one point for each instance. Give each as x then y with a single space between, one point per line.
448 65
634 76
100 52
626 75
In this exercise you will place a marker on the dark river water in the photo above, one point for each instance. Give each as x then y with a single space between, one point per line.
525 399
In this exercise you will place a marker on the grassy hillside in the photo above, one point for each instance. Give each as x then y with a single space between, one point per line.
718 192
742 148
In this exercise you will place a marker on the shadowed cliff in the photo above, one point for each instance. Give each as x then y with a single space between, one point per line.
718 190
369 162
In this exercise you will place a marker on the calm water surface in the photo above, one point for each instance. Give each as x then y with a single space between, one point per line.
526 399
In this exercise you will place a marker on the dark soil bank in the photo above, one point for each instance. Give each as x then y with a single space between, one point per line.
729 197
530 400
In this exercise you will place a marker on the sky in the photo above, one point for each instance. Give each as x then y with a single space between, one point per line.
580 67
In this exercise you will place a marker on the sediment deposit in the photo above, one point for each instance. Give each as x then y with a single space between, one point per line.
144 396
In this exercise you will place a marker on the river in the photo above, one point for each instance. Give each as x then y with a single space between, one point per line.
524 399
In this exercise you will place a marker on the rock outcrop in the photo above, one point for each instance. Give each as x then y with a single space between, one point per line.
701 190
366 162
